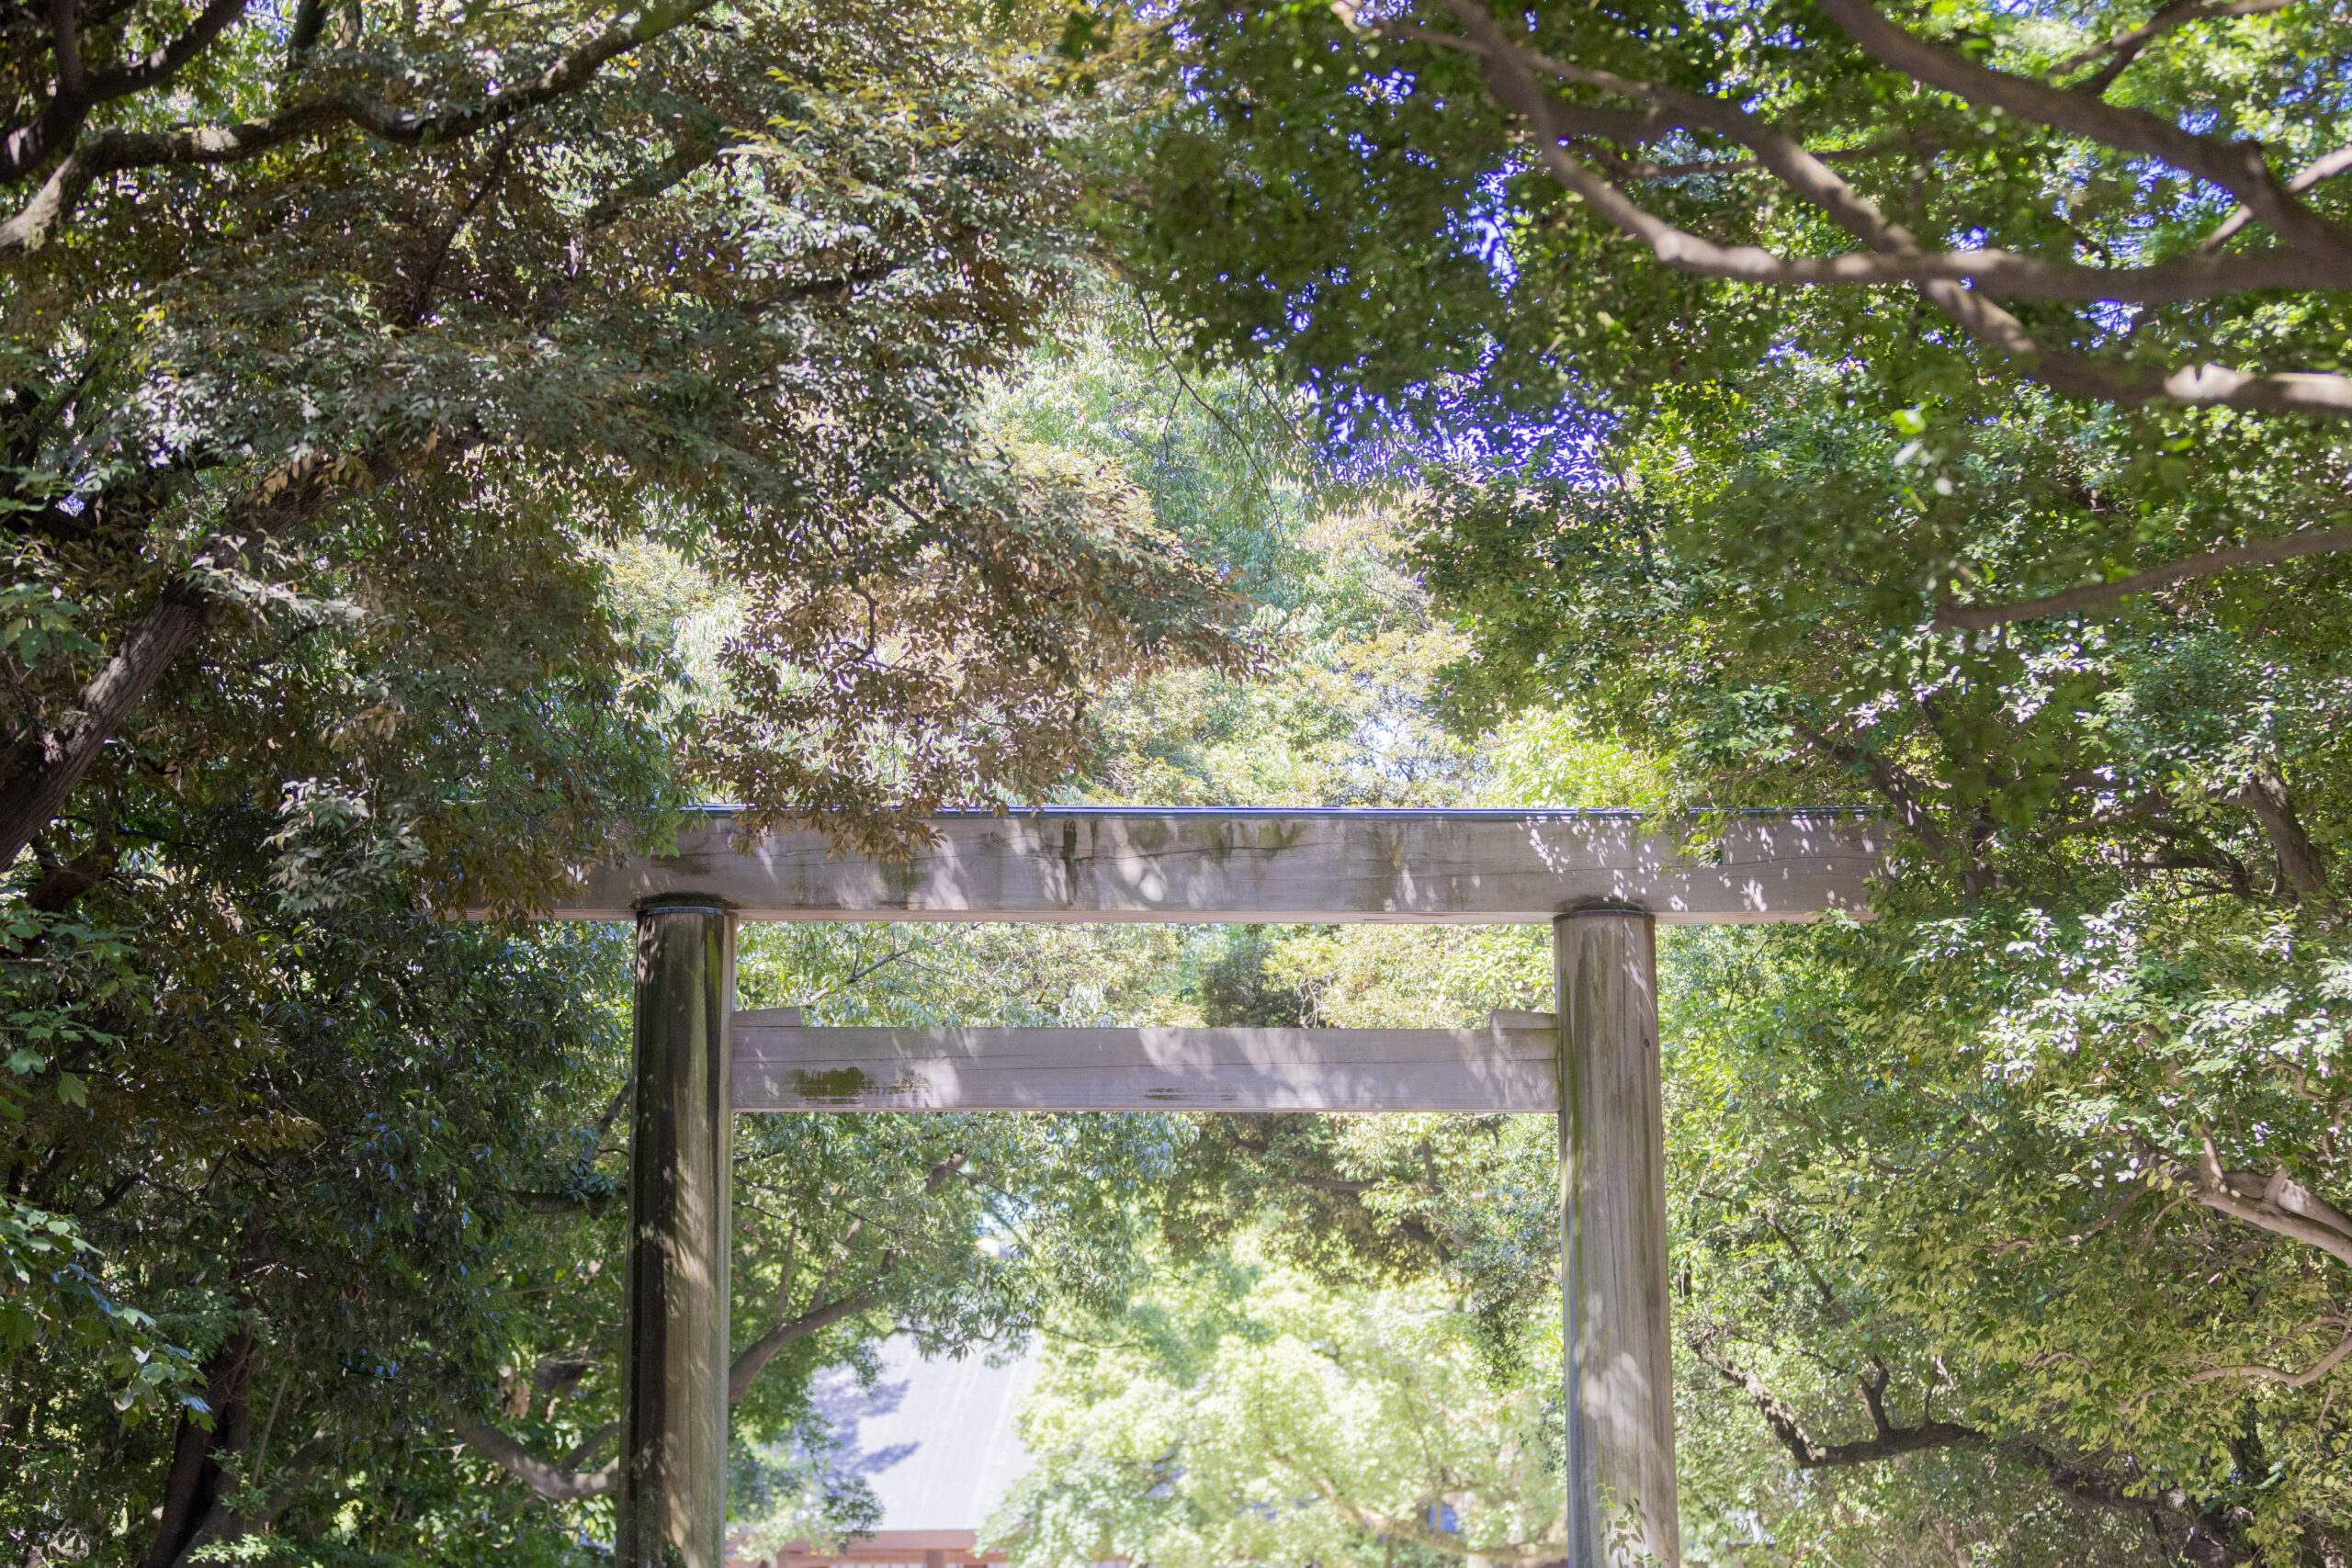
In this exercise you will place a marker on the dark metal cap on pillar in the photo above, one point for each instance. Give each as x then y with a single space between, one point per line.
1616 1337
670 1510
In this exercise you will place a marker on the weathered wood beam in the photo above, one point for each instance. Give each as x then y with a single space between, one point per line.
1509 1066
1274 866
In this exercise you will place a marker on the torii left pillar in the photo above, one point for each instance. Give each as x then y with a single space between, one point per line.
670 1510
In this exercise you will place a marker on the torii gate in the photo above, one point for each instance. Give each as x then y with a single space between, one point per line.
1596 877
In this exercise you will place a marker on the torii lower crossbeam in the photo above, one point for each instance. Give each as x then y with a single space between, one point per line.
1600 880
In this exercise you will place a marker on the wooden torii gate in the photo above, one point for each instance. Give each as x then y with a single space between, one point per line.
1596 878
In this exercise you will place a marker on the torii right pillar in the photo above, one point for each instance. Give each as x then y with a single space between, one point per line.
1616 1337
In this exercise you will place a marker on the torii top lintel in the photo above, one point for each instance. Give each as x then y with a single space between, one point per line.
1220 865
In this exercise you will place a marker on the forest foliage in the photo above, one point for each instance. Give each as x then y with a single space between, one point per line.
437 443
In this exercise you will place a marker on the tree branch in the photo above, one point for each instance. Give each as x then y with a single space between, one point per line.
2079 1484
1510 74
1889 1441
863 970
552 1482
2263 552
1622 170
26 146
1632 128
64 18
2276 1203
1828 1296
590 1204
2324 167
2208 385
747 1367
44 767
303 34
691 153
1899 258
2304 1379
2126 47
114 150
1901 790
2300 863
223 1523
2074 1481
2236 167
559 1481
420 300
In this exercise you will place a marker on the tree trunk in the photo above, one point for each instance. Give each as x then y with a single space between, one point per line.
39 770
193 1485
2300 864
47 766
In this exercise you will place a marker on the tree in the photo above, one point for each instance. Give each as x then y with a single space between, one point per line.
1573 211
1254 1413
373 382
281 1099
281 302
2101 973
